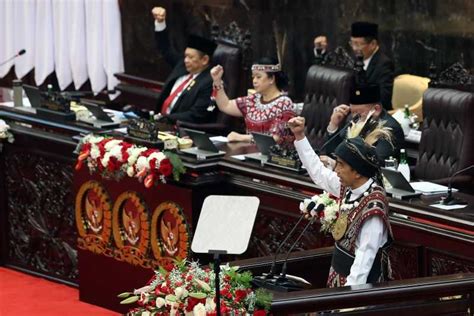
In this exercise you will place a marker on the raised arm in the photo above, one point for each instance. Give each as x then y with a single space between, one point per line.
162 38
222 100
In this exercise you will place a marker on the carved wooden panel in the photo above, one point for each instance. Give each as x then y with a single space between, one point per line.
404 261
41 231
272 228
443 263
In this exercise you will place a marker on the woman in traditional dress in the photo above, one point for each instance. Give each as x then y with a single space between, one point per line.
267 110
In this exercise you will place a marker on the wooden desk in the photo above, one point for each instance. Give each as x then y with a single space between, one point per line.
38 230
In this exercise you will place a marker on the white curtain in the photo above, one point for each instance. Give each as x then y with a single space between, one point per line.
44 41
78 48
78 39
25 20
7 46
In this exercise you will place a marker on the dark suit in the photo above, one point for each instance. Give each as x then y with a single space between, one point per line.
193 104
380 71
383 148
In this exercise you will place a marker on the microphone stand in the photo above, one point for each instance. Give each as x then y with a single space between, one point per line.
283 283
262 281
21 52
449 199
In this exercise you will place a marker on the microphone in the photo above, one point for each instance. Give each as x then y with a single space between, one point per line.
449 199
282 279
355 119
21 52
270 274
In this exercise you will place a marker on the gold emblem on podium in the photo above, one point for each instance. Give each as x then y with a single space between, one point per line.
169 233
131 229
340 227
93 217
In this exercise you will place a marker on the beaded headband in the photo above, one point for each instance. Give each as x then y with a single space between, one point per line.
267 68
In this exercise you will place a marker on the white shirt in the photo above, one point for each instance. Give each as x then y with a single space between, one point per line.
367 61
373 233
177 83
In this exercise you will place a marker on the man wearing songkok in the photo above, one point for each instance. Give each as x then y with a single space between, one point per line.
362 231
374 124
378 67
187 91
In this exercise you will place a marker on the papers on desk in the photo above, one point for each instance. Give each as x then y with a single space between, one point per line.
239 157
448 207
429 188
221 139
413 136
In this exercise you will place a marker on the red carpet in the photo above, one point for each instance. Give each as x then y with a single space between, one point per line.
22 294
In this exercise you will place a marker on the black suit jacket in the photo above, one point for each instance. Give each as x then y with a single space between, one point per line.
380 71
193 105
383 148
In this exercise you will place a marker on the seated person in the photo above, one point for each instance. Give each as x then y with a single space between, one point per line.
365 100
378 67
320 49
362 238
266 111
187 90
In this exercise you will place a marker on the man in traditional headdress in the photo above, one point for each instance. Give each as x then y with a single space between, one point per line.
187 91
362 230
374 124
378 67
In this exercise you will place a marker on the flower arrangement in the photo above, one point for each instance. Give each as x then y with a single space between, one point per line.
185 288
328 216
4 133
114 158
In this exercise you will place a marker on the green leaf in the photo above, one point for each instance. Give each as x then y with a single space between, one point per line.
170 297
124 294
130 300
178 166
198 295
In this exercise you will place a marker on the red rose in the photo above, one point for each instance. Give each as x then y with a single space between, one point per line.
240 295
165 167
259 312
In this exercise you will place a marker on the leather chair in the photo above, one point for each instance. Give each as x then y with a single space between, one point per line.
325 88
447 139
229 56
409 89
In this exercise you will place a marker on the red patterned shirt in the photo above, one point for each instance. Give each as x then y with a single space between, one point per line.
265 117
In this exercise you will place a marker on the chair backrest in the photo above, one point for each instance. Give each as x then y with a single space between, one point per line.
229 56
326 87
409 89
447 139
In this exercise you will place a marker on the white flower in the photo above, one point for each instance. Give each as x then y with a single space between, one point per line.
210 304
160 302
356 204
116 152
142 163
95 153
180 292
146 313
111 144
199 310
144 297
366 193
130 171
143 289
105 160
133 153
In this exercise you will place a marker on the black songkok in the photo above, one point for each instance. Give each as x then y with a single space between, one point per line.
364 29
202 44
365 94
359 155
